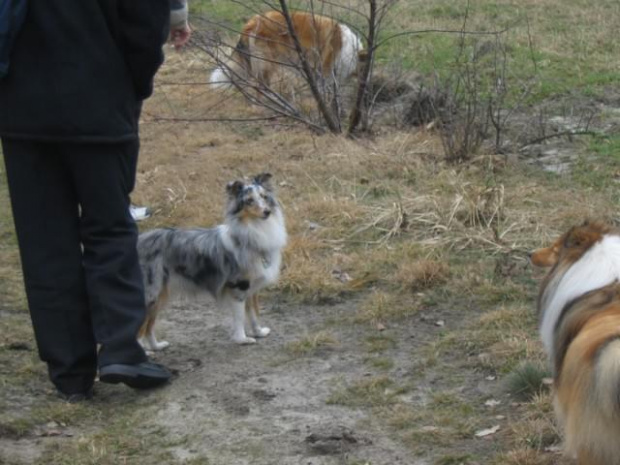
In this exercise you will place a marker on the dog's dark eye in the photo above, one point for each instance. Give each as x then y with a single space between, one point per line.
263 196
249 201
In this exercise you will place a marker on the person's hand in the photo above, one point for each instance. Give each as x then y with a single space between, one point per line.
180 36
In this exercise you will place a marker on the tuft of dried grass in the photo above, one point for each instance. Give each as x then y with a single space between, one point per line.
312 344
423 274
382 307
374 392
525 456
308 273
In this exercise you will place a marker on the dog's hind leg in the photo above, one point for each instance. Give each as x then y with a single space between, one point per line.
252 311
146 336
236 305
153 343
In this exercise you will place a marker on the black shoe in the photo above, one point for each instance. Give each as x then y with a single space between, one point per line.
144 375
75 397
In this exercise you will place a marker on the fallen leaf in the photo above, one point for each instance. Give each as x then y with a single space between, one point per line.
487 432
492 403
553 449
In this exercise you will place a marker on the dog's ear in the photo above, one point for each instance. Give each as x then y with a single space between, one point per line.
264 179
233 188
581 237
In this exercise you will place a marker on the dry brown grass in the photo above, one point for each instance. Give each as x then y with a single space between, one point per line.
377 217
311 344
526 456
381 308
384 218
423 274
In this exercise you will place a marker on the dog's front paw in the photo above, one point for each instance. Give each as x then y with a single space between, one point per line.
244 340
261 332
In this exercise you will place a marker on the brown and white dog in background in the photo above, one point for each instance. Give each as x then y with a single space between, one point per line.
266 46
579 307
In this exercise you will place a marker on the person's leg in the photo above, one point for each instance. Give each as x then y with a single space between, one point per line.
104 175
45 210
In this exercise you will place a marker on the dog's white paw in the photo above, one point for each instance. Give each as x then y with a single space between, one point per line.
161 345
153 345
244 340
261 332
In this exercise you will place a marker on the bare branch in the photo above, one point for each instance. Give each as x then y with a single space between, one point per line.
226 120
440 31
366 63
584 132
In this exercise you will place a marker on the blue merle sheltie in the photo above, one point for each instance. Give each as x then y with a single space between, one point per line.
232 261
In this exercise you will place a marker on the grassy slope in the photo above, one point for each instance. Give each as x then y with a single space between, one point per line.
442 262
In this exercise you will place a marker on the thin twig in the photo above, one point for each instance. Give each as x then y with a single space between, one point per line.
200 120
585 132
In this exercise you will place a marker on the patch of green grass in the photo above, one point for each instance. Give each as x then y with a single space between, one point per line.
230 14
357 462
601 169
383 307
41 411
197 461
545 43
312 344
444 419
380 363
527 380
118 437
460 459
497 341
378 343
372 392
16 427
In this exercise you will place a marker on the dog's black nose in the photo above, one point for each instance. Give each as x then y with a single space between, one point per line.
266 213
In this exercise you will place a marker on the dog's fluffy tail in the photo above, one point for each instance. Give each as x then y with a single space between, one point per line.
347 61
590 402
607 379
219 79
236 66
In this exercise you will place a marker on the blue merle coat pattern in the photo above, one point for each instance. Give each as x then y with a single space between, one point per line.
231 261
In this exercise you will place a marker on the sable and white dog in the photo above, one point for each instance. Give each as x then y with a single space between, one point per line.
266 46
579 305
232 261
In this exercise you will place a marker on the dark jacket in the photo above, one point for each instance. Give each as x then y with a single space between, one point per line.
81 68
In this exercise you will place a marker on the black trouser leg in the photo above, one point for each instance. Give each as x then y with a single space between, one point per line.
78 246
104 176
45 210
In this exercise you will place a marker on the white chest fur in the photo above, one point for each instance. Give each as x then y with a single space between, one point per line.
258 248
598 267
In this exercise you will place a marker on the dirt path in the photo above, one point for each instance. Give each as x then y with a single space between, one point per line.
256 404
267 404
